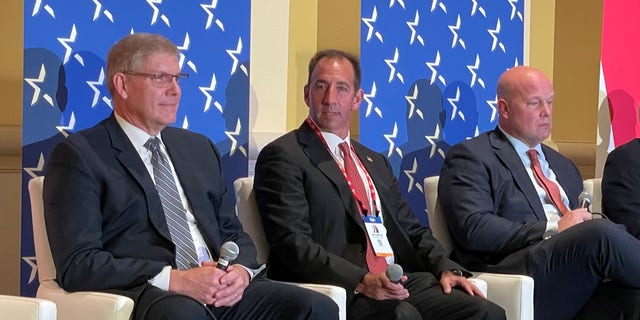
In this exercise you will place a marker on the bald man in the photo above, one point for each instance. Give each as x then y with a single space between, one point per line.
511 204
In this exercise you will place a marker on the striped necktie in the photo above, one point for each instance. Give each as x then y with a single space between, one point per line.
552 190
174 211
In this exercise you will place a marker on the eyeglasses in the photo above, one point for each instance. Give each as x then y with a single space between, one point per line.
160 79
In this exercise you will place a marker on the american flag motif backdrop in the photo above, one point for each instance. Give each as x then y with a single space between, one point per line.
430 69
619 69
65 48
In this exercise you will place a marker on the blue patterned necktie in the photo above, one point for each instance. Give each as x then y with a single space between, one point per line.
174 211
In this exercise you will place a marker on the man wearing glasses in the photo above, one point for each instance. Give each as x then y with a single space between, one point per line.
138 208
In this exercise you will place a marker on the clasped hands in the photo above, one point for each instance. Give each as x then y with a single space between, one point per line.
379 287
573 217
211 285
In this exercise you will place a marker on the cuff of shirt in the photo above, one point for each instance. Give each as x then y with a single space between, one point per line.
551 230
254 272
161 280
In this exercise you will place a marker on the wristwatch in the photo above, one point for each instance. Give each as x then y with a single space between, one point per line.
457 272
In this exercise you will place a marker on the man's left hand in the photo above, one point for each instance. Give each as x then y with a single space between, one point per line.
449 280
235 281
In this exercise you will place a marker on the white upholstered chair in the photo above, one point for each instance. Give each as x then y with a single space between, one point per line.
248 215
512 292
70 306
24 308
594 188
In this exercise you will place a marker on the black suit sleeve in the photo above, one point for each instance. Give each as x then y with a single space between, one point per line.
621 187
287 206
485 210
75 215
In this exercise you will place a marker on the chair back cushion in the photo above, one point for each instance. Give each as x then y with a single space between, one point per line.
594 188
46 268
437 223
248 215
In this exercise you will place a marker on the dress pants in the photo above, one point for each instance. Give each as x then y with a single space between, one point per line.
569 267
262 300
426 301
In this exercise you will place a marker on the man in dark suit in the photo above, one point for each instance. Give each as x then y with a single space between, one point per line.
503 219
621 186
315 188
147 221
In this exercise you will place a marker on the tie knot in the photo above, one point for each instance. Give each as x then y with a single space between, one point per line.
152 144
344 147
533 154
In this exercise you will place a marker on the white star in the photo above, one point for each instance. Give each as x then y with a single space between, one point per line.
185 123
474 76
456 39
96 91
414 34
64 42
476 7
409 173
434 73
70 127
367 97
206 90
368 22
493 33
31 171
392 2
38 5
156 11
514 10
185 47
233 53
430 139
435 3
234 141
452 102
390 138
207 8
96 13
32 262
392 68
412 106
492 104
36 89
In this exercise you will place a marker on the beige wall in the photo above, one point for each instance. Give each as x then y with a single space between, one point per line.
10 142
564 42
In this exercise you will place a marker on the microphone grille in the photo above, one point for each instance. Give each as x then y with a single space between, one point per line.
229 250
586 197
394 272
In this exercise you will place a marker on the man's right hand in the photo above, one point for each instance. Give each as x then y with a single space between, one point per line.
379 287
573 217
200 283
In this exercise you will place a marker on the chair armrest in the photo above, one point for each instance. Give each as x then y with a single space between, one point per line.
481 284
78 305
338 294
27 308
514 293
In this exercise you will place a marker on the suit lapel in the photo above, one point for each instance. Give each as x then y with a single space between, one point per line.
126 154
507 154
320 156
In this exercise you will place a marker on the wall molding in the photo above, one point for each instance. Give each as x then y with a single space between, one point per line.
10 148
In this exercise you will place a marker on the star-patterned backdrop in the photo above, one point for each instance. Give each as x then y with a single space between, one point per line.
65 48
430 69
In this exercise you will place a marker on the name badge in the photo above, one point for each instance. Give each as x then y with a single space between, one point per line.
378 236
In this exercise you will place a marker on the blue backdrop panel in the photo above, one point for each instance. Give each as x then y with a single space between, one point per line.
66 44
430 69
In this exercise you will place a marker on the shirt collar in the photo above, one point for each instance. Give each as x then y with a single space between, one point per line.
137 136
521 147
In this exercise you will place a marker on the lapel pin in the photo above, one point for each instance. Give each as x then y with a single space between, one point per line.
369 159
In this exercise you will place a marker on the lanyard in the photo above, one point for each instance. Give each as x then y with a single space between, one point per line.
372 192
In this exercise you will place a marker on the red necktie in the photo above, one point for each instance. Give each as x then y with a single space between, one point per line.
374 263
552 190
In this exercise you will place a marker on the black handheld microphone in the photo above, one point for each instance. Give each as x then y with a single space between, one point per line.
228 252
585 200
394 272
